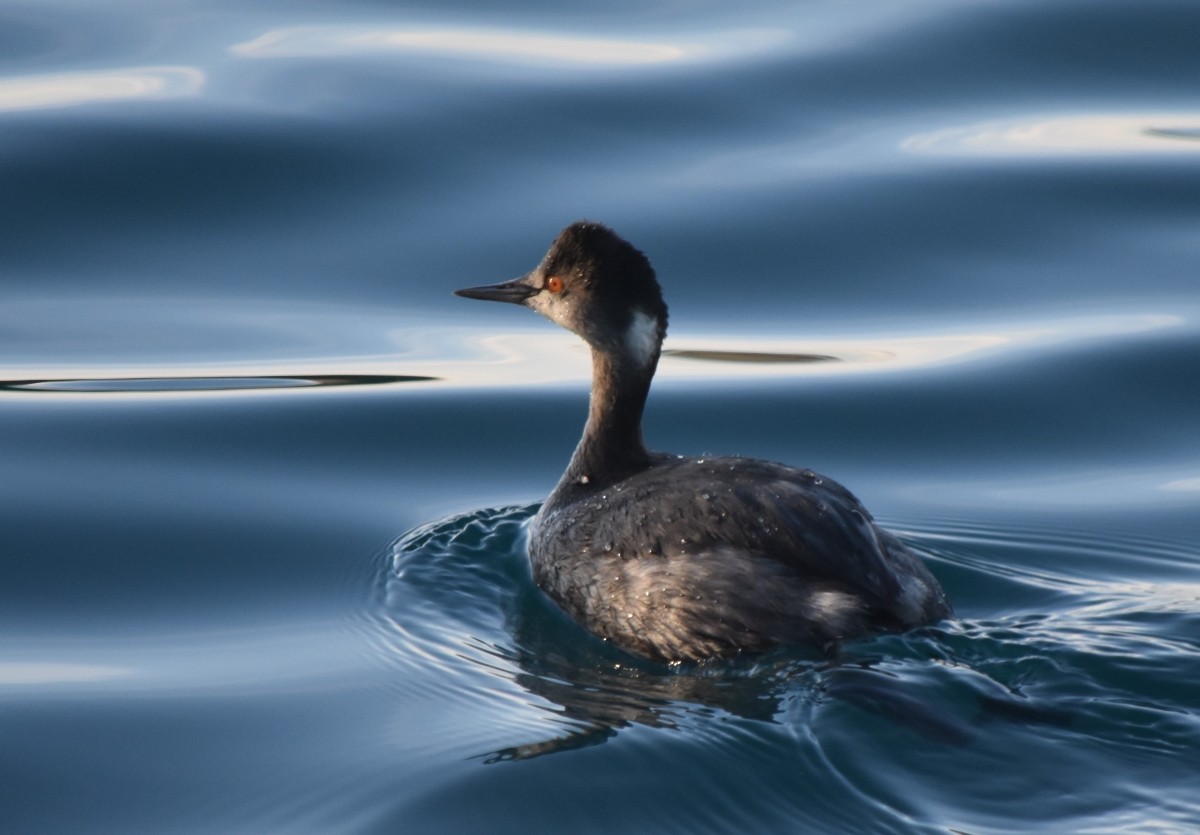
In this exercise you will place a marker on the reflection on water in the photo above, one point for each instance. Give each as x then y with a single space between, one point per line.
75 88
505 46
521 46
1088 134
1192 133
44 673
745 356
538 357
182 384
460 358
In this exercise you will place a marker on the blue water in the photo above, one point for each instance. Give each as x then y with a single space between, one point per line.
265 481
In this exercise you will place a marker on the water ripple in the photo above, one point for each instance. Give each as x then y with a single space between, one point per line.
460 596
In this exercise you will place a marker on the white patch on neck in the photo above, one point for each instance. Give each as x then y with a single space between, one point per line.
642 338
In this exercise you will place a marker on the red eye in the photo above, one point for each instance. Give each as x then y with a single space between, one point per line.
554 284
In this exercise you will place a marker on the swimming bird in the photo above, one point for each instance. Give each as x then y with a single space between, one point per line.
682 559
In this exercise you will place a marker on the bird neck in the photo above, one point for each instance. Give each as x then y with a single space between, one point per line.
612 444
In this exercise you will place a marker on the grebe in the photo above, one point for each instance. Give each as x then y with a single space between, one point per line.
687 559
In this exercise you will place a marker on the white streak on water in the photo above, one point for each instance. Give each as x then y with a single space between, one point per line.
68 89
40 673
506 45
1093 134
1182 485
372 342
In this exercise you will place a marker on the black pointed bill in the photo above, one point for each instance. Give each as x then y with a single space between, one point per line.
515 291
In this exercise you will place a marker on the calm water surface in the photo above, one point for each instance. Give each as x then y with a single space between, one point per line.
266 482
